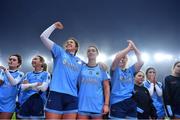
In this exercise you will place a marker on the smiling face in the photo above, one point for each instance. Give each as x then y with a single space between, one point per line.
123 61
139 78
92 52
71 46
37 62
13 62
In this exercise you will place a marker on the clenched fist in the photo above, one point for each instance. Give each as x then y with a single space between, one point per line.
59 25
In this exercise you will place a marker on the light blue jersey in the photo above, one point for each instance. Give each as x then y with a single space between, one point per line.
122 82
91 97
9 92
157 100
33 77
2 75
65 71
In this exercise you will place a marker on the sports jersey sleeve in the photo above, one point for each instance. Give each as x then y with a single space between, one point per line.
25 86
25 77
1 75
149 86
105 75
56 50
45 37
158 88
14 80
45 83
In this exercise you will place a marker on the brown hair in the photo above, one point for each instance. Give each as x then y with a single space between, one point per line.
97 50
147 70
18 57
44 65
76 44
177 62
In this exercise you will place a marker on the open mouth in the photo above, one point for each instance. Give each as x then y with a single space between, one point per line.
68 46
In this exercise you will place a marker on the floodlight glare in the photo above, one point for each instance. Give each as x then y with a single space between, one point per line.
145 57
161 57
101 57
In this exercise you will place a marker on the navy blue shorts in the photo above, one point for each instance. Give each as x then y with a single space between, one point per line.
32 108
61 103
124 109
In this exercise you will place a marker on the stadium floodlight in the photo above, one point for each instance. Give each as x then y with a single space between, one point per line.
112 57
145 56
102 57
47 59
159 57
168 57
134 58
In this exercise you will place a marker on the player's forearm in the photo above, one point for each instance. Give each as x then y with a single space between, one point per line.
45 37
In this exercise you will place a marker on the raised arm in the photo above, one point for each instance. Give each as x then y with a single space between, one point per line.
139 62
119 55
45 35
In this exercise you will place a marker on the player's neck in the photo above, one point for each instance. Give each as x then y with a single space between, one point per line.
92 62
12 68
176 74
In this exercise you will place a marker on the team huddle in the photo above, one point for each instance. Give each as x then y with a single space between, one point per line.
86 90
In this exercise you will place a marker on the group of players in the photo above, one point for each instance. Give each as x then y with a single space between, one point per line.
79 90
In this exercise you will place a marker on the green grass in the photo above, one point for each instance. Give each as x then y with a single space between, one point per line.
13 117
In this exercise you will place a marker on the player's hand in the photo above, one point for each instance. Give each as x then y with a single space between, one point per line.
3 68
59 25
130 44
105 109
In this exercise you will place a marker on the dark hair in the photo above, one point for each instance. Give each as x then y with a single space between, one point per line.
137 73
97 50
44 65
19 59
147 70
76 44
41 58
177 62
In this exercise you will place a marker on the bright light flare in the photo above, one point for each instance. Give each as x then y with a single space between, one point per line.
47 59
101 57
112 57
159 57
145 57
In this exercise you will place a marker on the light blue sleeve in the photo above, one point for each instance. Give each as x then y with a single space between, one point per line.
57 50
105 75
47 78
25 77
146 85
1 75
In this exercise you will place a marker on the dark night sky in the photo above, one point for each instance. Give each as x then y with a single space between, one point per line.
154 25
